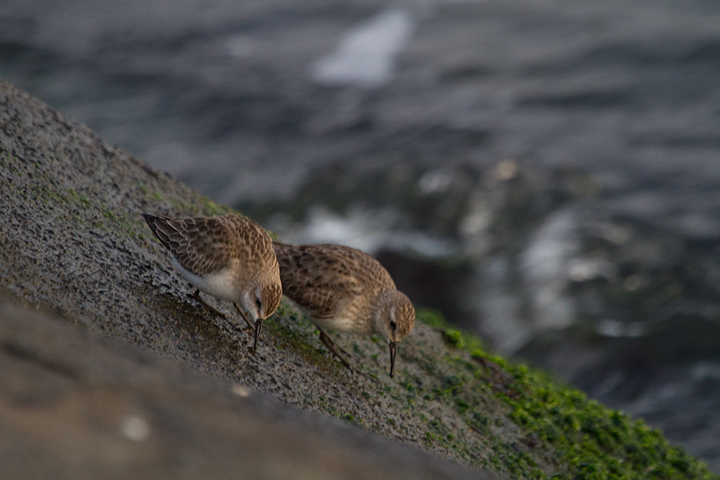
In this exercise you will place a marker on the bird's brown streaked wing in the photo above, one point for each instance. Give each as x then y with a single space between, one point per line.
356 263
200 245
315 276
252 239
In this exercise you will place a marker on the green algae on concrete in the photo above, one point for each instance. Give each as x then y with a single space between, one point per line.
590 440
73 239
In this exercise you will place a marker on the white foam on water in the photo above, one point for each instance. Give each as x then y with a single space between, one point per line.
366 230
365 57
545 265
503 321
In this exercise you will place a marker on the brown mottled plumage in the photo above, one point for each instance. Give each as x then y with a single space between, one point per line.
229 256
344 289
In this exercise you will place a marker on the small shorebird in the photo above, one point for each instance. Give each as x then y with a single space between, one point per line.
229 257
344 289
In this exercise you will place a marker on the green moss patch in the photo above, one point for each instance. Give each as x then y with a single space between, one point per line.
590 440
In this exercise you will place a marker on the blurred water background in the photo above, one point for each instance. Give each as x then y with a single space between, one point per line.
544 172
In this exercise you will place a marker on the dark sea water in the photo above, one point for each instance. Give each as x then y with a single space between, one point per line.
547 173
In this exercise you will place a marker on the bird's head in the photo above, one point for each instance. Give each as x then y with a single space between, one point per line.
394 320
261 298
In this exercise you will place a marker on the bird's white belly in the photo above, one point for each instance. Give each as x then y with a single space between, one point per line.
218 284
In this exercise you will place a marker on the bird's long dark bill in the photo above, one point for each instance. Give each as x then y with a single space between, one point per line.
393 351
258 327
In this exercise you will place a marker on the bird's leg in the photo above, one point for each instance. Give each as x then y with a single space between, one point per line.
347 354
325 338
332 346
242 314
197 297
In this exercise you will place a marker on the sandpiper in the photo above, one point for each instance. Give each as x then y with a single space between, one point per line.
341 288
229 257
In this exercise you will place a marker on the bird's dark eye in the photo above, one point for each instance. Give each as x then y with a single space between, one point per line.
258 303
393 325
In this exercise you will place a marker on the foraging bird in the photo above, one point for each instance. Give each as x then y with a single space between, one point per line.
229 257
341 288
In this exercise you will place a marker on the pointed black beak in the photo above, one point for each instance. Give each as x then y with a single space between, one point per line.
258 327
393 351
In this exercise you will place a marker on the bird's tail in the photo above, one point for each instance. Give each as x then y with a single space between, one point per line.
153 222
